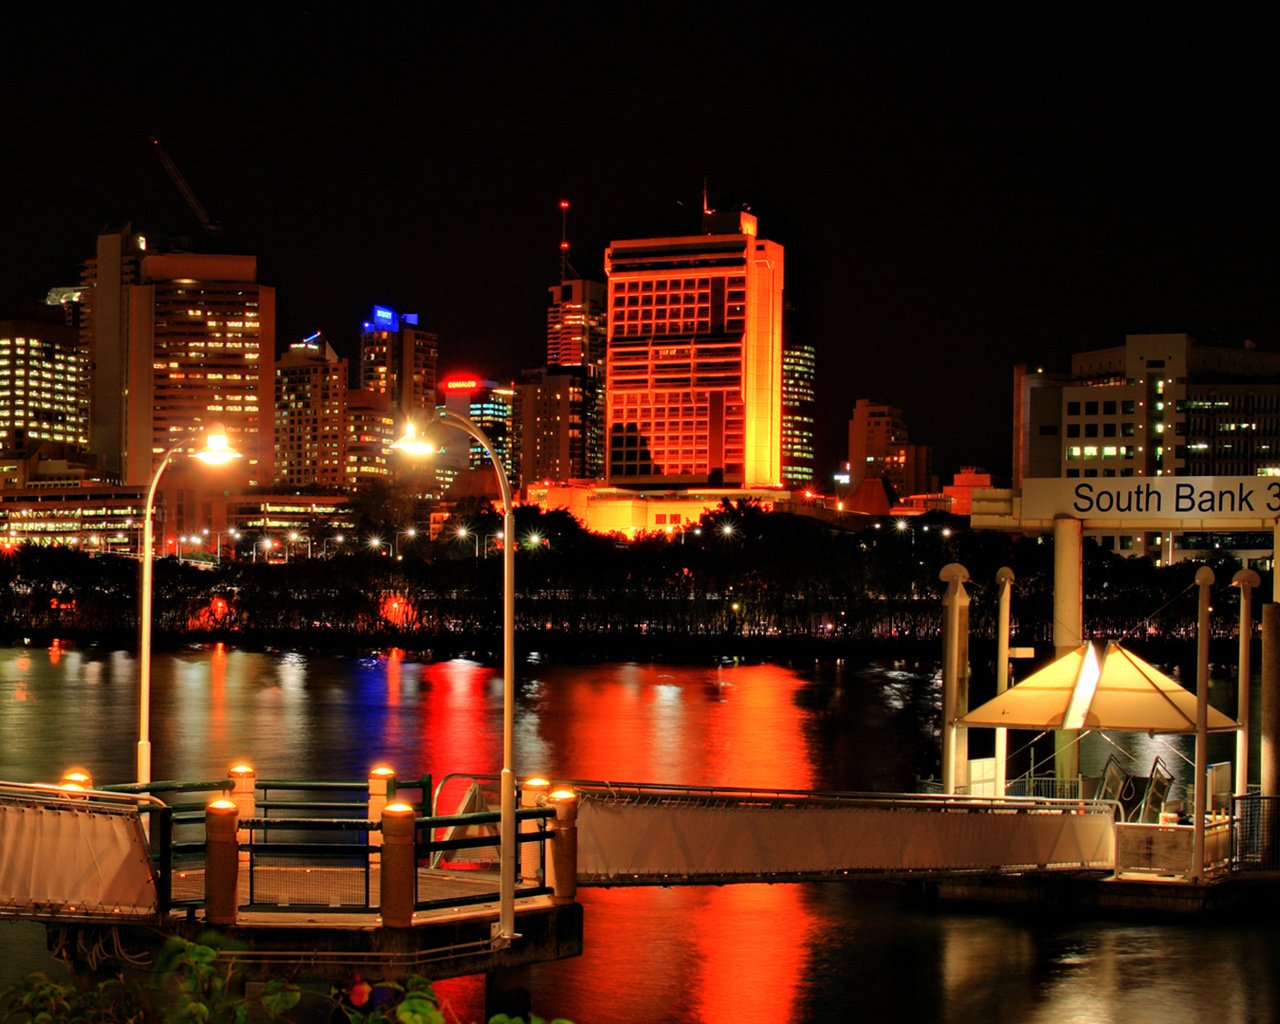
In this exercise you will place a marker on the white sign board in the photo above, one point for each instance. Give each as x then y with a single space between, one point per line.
1153 497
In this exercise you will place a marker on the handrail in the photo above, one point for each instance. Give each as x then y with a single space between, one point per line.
123 800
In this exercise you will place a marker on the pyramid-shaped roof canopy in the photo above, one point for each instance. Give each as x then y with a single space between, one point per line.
1119 692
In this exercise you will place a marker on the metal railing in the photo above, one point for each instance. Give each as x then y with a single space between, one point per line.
1256 837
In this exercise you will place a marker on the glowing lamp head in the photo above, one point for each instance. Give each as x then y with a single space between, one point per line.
537 781
222 805
411 444
77 777
399 807
217 450
241 770
383 771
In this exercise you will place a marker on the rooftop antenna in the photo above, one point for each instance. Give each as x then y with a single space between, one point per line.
706 207
565 265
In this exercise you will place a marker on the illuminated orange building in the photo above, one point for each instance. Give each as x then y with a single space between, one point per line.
311 415
177 340
694 360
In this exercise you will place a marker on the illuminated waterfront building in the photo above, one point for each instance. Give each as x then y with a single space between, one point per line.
491 406
177 341
371 429
555 409
879 449
577 332
1159 405
799 373
694 360
43 384
398 359
311 416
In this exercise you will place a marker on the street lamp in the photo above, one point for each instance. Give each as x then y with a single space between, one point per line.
464 533
324 545
507 818
411 532
216 452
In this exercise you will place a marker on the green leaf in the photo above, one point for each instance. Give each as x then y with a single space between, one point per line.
417 1009
279 997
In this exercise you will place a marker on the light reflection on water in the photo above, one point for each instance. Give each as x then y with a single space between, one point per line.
814 952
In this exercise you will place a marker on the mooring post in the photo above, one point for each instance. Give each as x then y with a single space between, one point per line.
955 609
382 787
399 865
1204 580
221 863
244 785
563 863
533 793
1246 580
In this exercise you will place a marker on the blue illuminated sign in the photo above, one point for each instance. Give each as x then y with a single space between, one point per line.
385 319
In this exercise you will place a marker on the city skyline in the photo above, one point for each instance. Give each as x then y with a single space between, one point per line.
953 200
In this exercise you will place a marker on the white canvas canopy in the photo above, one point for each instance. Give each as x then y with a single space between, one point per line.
1119 692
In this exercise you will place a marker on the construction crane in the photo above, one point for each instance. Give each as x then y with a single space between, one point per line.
197 207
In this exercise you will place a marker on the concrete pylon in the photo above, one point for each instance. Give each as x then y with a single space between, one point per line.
1004 580
1246 580
955 676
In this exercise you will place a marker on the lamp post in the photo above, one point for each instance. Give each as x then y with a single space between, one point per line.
412 445
464 533
411 532
216 452
337 539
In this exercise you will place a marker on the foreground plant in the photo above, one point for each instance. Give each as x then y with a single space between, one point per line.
192 985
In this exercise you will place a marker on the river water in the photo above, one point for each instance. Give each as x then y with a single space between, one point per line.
816 952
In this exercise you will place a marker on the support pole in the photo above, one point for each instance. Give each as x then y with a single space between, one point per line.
954 600
244 785
1269 748
563 876
1068 627
1246 580
399 866
221 863
1004 580
1204 580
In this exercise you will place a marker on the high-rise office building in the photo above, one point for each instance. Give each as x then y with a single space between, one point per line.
370 433
555 409
1159 405
694 360
43 384
799 373
879 449
177 341
398 359
311 416
577 334
491 406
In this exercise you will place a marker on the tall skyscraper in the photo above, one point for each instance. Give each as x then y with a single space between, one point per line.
555 410
398 359
43 384
879 449
491 406
799 372
178 341
694 362
577 333
370 432
311 416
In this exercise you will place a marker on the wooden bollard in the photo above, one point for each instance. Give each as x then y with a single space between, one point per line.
221 863
382 787
399 866
533 793
563 863
244 786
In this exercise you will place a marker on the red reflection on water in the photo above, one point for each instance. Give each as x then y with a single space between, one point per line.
460 732
218 694
55 652
733 726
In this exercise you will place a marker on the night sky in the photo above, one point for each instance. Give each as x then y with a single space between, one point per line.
954 196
